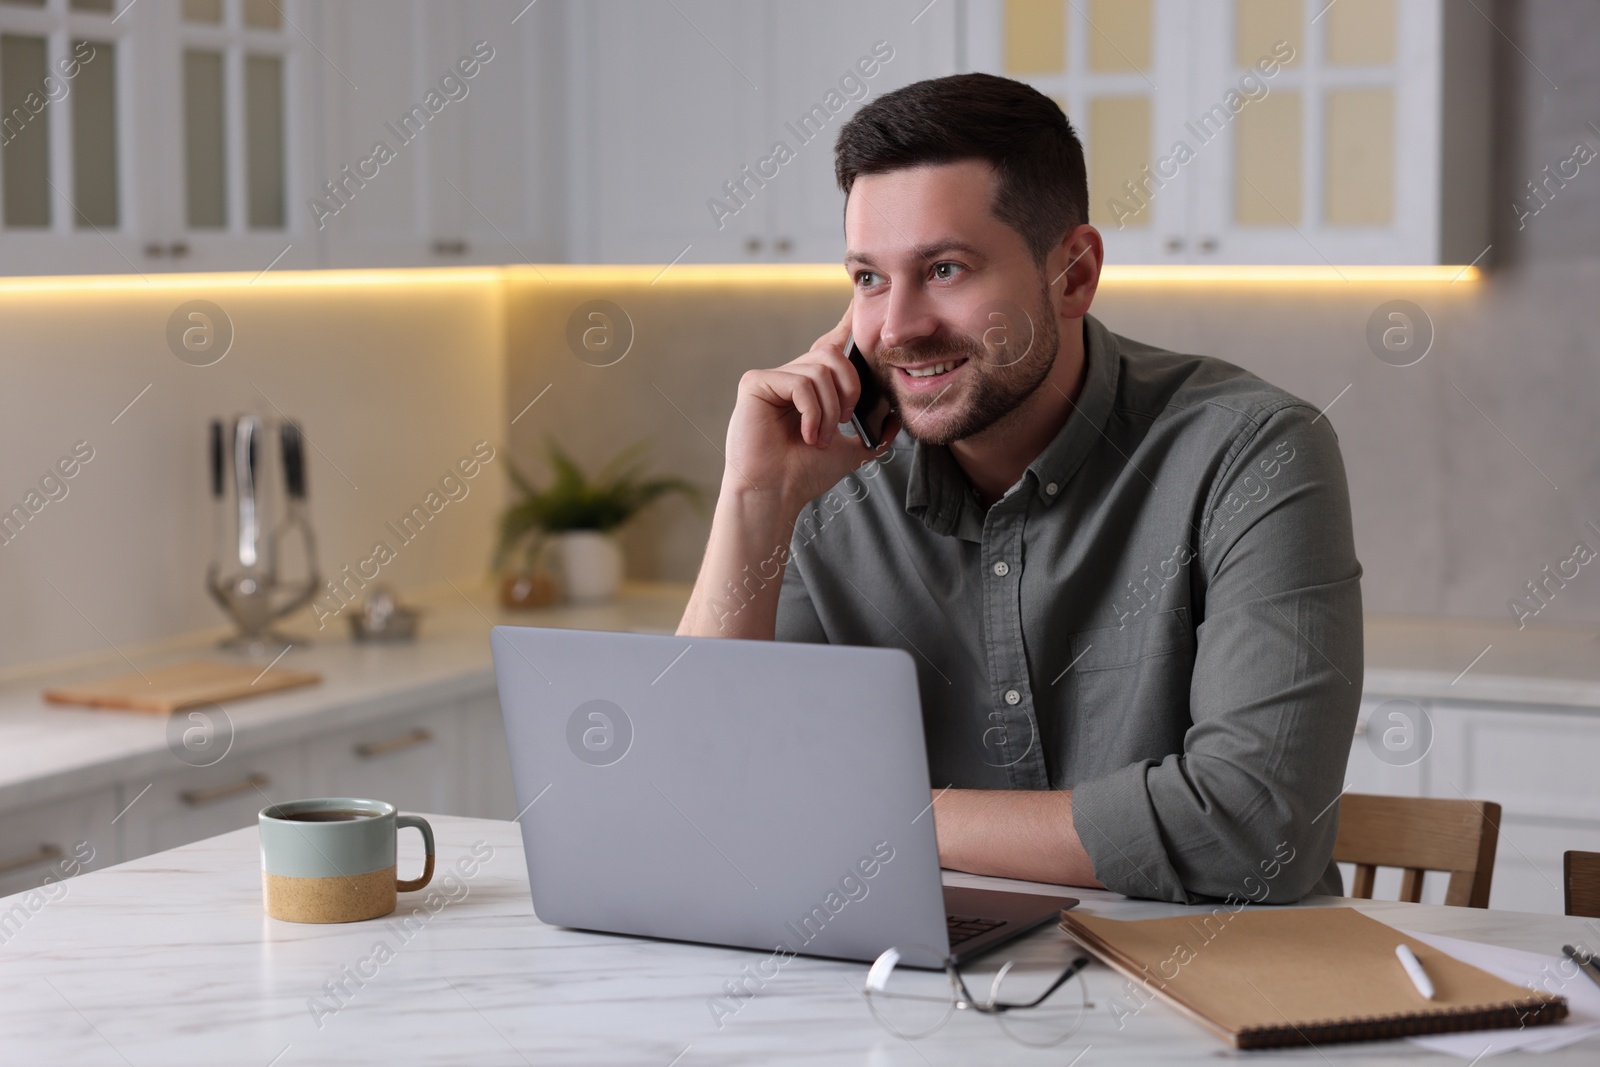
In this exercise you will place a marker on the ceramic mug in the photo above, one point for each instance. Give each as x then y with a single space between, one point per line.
332 860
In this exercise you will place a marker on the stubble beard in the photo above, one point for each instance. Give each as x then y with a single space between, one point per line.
997 391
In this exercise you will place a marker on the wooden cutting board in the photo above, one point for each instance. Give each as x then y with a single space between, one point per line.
164 690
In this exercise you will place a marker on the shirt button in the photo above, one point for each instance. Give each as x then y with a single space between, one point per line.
1051 489
1001 569
1013 697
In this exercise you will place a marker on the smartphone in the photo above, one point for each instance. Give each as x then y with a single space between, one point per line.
872 409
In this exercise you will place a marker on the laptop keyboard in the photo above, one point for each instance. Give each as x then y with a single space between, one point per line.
961 928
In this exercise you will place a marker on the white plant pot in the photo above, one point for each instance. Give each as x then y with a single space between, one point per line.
591 565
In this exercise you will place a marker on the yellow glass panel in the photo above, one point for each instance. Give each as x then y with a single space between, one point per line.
262 14
202 10
1036 36
1119 150
1360 33
1119 35
1259 26
1266 187
1358 153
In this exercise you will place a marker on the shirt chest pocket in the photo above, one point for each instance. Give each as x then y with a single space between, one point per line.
1130 693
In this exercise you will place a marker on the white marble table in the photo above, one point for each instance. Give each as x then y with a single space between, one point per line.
169 960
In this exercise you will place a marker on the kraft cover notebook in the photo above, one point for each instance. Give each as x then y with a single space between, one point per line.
1264 979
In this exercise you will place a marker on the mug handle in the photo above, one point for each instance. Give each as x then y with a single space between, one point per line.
412 885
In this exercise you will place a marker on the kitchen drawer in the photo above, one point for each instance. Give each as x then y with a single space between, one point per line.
200 802
55 841
413 761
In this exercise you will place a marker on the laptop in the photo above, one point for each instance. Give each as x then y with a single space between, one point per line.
756 794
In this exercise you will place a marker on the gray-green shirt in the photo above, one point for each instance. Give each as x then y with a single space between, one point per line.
1163 615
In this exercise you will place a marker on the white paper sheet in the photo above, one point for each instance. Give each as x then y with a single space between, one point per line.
1552 973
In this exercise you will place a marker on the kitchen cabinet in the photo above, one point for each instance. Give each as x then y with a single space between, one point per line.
1264 131
412 760
207 135
1535 763
434 136
176 808
170 135
702 132
48 843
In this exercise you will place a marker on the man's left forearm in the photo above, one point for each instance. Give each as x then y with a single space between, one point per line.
1026 834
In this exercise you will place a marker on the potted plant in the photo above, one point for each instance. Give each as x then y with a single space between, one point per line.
579 518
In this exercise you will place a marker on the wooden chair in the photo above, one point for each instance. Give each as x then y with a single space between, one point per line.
1418 834
1582 874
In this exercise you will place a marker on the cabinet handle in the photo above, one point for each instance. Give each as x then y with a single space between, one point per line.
1174 244
752 245
783 246
450 248
196 798
42 854
1208 244
178 249
155 250
420 736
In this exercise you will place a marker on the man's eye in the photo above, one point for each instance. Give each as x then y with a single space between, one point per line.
867 278
945 271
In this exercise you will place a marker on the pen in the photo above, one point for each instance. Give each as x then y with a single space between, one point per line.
1585 961
1413 966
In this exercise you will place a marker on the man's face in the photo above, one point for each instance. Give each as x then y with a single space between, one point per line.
950 307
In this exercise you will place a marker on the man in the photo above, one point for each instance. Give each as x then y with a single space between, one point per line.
1127 576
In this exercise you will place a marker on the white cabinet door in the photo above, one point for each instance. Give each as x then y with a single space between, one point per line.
490 794
413 761
196 803
495 163
368 206
666 114
50 842
824 60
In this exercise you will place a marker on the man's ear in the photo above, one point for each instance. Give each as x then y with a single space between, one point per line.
1073 269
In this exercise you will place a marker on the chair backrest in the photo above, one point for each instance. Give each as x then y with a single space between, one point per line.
1420 834
1581 872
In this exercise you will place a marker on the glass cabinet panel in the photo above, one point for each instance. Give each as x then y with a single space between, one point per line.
24 131
94 135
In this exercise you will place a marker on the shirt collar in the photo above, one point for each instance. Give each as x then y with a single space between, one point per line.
937 492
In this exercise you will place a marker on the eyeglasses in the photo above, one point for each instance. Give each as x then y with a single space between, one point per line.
911 1003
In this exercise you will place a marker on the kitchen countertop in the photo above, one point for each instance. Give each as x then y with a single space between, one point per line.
1493 662
49 751
169 959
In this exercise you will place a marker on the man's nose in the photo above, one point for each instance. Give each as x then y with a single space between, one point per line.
910 318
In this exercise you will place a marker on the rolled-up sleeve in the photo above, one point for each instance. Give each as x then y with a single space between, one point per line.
1274 695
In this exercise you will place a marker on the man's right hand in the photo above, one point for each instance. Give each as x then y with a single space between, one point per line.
783 440
784 449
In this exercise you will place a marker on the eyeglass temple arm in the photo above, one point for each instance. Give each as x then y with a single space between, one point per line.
1077 965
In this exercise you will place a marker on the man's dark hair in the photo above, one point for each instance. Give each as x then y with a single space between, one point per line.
1016 129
